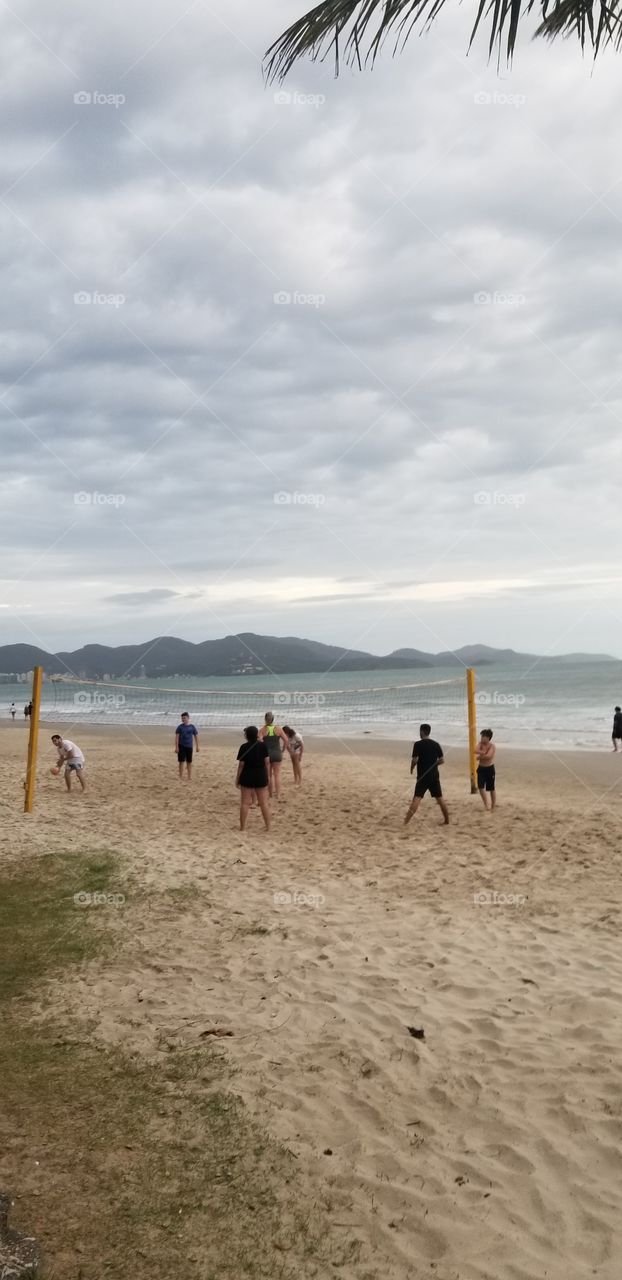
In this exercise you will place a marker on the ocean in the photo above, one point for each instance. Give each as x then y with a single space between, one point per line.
562 704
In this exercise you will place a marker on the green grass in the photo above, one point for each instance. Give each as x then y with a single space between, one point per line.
149 1170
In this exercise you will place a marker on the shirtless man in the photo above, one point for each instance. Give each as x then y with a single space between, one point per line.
485 752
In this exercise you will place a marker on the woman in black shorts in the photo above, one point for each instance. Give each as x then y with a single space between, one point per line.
276 742
252 776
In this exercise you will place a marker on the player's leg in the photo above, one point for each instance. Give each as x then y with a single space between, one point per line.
277 779
80 776
246 796
482 792
412 808
189 765
263 800
68 773
443 808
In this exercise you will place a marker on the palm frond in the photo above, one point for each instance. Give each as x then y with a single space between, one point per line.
357 29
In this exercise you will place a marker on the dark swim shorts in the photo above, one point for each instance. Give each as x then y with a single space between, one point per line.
431 783
184 755
486 777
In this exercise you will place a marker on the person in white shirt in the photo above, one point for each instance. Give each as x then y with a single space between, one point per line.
295 746
71 757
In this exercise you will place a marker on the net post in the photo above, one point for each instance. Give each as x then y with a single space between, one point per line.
470 677
33 740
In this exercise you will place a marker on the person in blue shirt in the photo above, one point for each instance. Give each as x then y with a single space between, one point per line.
186 740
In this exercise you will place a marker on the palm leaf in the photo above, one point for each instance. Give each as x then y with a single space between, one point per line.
357 29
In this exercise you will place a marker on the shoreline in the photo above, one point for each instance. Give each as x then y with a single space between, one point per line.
368 741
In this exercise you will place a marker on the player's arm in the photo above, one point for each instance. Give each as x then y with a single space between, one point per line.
176 744
196 740
441 758
238 773
414 758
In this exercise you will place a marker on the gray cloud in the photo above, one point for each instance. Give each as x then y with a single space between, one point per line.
181 397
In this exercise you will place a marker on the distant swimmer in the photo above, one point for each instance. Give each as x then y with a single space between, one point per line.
12 710
186 741
427 755
616 735
295 746
252 776
276 742
485 752
72 758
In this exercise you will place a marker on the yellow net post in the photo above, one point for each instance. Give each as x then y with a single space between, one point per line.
33 740
470 675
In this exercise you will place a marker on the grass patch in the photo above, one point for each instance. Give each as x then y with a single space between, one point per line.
120 1167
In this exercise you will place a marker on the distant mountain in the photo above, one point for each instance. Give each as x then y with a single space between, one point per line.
247 654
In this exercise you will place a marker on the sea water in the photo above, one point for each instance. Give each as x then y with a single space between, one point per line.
536 703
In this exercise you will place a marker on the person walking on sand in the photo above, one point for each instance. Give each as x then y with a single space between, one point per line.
485 752
186 740
72 758
616 735
12 710
252 776
427 755
275 740
295 746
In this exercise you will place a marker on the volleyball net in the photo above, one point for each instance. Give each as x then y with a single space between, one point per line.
443 703
448 705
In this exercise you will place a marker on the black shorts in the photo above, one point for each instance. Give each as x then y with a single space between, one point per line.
486 777
184 755
431 784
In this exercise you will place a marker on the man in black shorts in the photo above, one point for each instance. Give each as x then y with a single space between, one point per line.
486 773
186 738
616 735
427 755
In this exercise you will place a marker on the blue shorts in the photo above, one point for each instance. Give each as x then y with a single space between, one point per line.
74 764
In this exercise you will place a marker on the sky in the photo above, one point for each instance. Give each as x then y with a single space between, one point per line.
340 358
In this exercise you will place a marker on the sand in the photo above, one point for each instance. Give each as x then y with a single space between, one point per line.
490 1149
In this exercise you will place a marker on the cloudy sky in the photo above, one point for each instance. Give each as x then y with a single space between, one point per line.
340 360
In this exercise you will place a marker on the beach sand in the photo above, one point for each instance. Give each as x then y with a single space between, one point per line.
490 1149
